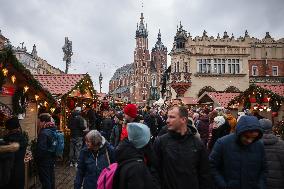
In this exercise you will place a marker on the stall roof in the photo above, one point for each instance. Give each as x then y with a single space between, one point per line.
220 98
278 89
59 84
189 100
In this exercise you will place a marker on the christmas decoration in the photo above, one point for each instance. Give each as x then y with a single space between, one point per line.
19 102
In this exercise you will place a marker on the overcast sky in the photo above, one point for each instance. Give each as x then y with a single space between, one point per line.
103 31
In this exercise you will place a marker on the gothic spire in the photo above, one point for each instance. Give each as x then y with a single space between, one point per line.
141 30
159 46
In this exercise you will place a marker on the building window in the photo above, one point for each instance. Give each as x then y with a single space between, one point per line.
177 66
254 71
275 70
144 78
185 67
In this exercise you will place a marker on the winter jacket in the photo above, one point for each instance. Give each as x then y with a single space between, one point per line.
44 143
90 166
183 161
7 157
232 122
132 172
76 125
18 172
91 115
115 135
154 122
107 126
237 166
202 126
217 133
274 149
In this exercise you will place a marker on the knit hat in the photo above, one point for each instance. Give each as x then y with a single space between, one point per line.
138 134
130 110
219 120
12 123
266 124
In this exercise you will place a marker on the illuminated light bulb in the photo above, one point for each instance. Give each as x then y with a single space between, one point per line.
36 97
45 103
5 72
52 110
13 78
26 88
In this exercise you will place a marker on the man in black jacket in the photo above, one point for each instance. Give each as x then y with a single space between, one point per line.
182 157
77 127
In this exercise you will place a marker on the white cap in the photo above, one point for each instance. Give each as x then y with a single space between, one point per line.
79 109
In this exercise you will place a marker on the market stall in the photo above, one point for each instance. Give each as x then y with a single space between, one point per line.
70 91
266 99
20 94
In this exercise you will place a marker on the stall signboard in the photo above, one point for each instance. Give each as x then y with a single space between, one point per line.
8 91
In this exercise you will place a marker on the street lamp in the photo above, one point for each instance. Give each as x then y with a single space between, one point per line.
100 81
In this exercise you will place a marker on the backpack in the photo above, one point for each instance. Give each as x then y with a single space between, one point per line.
105 180
57 142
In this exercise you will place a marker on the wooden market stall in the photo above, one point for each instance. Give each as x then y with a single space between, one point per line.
266 99
20 94
70 91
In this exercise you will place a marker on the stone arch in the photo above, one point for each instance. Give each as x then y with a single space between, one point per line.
232 89
206 89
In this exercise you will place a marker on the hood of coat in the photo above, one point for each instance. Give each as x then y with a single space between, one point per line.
269 139
248 123
126 150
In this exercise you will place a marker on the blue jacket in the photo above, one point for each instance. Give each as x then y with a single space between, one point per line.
91 165
44 142
236 166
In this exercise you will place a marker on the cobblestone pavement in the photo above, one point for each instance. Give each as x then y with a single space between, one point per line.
64 177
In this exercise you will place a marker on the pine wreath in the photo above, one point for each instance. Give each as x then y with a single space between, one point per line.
19 102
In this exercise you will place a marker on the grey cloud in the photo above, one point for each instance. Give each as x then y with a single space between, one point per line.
103 32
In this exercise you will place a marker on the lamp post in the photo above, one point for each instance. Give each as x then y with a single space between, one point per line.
100 81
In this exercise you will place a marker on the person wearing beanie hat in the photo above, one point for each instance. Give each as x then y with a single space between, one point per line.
274 150
244 165
130 112
132 171
138 134
221 127
130 115
15 135
12 123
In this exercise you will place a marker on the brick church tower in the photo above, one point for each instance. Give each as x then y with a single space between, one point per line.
140 88
158 68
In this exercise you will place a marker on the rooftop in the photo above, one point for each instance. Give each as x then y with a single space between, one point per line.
59 84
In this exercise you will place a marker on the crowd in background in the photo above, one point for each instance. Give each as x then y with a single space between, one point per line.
169 148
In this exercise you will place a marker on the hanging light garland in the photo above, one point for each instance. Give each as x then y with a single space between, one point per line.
13 78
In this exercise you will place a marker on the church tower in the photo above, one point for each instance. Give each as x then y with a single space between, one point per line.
140 92
158 67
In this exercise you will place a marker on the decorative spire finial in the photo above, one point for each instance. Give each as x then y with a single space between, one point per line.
246 33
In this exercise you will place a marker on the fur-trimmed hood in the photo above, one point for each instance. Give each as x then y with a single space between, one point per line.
12 147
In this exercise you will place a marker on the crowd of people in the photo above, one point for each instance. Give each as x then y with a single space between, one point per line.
173 148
